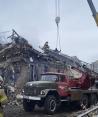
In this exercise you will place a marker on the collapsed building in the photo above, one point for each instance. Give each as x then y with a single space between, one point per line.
20 62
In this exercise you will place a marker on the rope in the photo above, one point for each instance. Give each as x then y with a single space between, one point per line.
57 7
57 20
58 44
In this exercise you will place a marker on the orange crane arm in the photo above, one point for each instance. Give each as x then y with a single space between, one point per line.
93 9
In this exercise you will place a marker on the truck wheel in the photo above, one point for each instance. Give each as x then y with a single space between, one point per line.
94 99
84 102
28 105
50 104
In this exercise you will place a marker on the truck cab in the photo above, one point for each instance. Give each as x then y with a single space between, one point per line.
49 91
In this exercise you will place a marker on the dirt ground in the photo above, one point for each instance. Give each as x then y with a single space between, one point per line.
17 111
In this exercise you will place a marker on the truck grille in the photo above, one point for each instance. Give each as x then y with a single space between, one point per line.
31 91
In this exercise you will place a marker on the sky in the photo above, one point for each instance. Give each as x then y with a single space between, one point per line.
35 21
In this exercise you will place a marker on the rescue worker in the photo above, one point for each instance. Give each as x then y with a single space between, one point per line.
46 46
3 97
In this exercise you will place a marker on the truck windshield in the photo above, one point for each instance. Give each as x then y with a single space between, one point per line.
49 77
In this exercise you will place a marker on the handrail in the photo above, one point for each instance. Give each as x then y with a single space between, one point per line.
87 114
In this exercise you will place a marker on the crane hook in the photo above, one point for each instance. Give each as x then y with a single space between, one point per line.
57 20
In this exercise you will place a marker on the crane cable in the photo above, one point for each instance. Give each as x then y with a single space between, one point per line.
57 20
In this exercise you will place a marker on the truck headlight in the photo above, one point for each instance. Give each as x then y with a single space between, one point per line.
22 91
43 92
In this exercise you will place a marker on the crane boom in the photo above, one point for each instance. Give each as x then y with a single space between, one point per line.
93 9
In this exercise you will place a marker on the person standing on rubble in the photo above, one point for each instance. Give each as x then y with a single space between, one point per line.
3 97
46 46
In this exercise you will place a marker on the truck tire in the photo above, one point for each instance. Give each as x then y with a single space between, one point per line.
84 102
28 105
50 104
94 99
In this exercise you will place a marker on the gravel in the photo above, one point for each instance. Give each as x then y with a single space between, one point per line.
18 111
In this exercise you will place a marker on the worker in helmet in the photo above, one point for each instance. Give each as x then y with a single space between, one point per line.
3 97
46 46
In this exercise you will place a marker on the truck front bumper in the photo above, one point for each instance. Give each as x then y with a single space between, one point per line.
30 97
